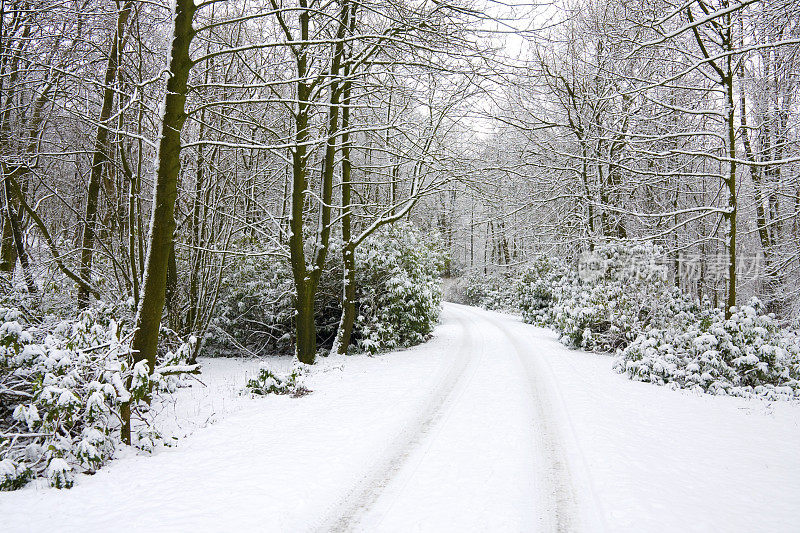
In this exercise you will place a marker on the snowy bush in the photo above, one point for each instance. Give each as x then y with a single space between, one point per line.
607 317
62 385
493 291
745 355
617 292
398 289
254 310
398 296
270 381
547 281
621 292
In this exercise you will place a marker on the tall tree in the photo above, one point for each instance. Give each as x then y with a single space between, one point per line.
162 221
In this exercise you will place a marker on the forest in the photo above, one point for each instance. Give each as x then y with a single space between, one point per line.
299 180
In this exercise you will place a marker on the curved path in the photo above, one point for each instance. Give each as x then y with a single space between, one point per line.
456 434
486 451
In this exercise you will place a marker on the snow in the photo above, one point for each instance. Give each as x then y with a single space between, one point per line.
656 459
491 426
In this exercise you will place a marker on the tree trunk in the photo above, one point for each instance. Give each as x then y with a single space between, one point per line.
12 220
345 330
307 279
732 201
8 253
306 339
162 221
99 156
305 327
194 274
171 289
726 75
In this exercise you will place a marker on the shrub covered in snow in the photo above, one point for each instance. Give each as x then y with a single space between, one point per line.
607 317
619 291
747 354
494 291
269 381
399 292
61 388
254 309
546 282
398 296
619 300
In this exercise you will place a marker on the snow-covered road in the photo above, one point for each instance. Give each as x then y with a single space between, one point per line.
491 426
484 453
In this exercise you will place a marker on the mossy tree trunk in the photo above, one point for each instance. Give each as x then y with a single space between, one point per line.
345 329
306 340
162 221
306 274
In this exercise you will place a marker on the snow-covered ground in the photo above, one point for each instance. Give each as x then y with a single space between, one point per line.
491 426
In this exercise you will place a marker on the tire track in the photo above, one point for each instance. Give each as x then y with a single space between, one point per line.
556 494
351 508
